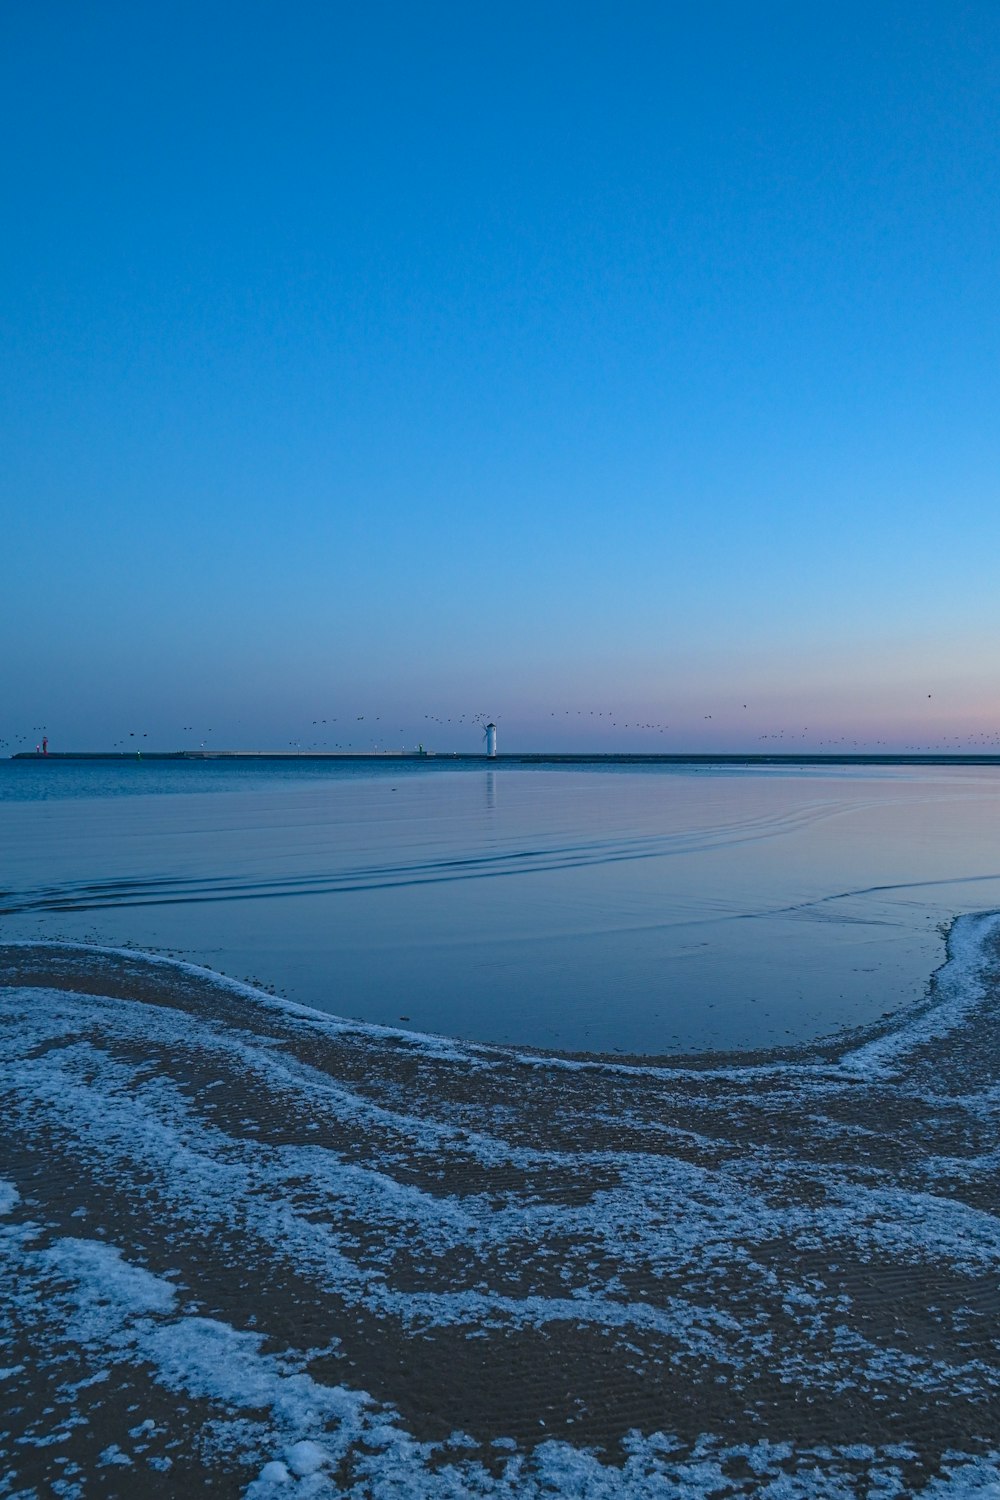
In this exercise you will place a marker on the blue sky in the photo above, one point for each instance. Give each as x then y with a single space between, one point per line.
430 360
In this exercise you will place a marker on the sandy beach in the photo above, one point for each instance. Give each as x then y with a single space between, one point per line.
251 1249
500 752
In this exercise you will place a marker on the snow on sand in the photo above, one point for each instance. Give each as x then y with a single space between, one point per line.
248 1249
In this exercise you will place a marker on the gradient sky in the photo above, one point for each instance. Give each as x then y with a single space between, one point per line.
530 360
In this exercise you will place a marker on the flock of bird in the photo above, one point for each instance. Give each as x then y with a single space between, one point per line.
367 732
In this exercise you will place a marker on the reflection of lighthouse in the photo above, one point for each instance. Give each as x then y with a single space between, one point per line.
491 739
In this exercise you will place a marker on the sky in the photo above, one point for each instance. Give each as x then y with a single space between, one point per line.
626 373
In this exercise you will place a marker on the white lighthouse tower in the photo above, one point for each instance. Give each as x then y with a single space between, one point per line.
491 740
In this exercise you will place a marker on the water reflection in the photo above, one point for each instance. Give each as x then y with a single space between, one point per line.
638 909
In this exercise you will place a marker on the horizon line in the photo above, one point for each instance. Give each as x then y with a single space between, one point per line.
537 757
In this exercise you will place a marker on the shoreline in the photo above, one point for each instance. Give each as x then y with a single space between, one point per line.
306 1246
89 964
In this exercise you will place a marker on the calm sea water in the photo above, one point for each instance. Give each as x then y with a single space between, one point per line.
646 909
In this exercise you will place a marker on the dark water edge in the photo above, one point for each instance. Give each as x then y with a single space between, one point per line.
523 757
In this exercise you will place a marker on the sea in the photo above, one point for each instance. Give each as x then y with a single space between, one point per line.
614 908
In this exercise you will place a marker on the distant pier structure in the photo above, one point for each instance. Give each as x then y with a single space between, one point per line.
491 740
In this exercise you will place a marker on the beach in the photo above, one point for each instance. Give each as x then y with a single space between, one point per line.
252 1249
500 753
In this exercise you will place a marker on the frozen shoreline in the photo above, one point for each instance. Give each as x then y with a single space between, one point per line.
325 1256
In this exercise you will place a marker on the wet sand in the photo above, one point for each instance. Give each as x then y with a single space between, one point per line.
249 1248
